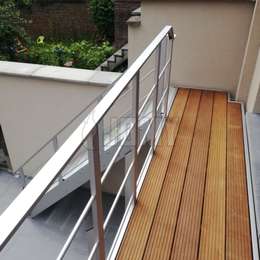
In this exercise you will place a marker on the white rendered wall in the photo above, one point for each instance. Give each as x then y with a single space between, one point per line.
37 101
210 43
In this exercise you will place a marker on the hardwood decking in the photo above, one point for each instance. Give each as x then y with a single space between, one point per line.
193 203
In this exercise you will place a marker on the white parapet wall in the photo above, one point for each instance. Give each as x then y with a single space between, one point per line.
250 59
210 43
253 102
36 101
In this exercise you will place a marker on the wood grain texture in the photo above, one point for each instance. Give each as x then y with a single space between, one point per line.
193 203
162 232
186 240
238 246
212 243
137 233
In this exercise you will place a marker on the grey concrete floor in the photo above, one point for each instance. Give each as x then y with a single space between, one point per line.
42 237
253 127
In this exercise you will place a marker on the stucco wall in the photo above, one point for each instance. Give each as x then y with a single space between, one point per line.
253 102
33 108
210 43
250 56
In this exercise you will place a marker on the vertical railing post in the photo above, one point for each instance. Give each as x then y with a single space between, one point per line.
164 62
95 185
56 147
155 100
135 136
101 134
169 78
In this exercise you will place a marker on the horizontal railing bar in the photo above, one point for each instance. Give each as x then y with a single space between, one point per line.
109 215
92 252
19 209
164 68
122 228
140 112
61 130
145 135
147 75
162 98
111 163
122 133
147 99
75 229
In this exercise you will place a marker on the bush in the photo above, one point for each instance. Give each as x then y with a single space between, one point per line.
83 54
12 33
24 3
102 12
16 46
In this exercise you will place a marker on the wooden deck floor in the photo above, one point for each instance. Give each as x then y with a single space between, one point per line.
193 203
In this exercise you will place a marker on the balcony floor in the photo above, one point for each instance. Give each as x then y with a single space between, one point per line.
193 203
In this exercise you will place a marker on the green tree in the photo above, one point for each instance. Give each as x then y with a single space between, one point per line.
102 12
12 33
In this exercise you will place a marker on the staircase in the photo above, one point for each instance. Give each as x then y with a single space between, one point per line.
143 126
78 173
117 62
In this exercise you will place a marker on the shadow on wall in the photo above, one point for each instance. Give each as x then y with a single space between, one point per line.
4 156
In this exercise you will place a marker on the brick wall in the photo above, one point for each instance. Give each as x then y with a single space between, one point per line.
72 20
123 9
60 20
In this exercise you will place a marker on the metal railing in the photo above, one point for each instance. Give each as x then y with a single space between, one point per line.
54 143
88 135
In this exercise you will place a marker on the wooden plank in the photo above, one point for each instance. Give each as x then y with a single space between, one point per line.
186 239
134 242
162 232
238 245
212 242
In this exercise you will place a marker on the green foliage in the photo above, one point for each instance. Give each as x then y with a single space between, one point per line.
12 33
4 57
81 54
102 12
16 46
24 3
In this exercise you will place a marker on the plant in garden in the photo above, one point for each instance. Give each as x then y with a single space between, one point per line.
24 3
82 54
12 33
102 12
16 46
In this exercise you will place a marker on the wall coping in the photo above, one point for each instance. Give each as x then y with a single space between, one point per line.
137 12
135 19
80 76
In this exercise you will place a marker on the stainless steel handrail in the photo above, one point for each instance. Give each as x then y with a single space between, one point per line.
20 169
16 213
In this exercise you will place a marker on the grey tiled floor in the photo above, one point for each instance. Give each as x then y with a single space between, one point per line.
253 127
